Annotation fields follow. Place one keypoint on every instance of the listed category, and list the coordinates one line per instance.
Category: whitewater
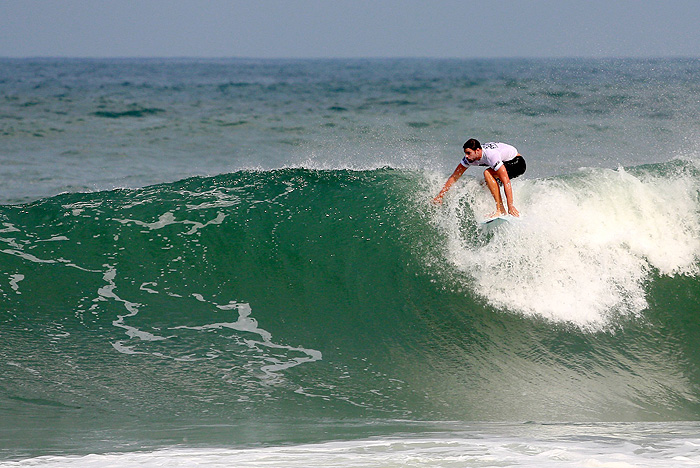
(236, 263)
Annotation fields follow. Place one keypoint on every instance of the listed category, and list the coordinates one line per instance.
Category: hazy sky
(349, 28)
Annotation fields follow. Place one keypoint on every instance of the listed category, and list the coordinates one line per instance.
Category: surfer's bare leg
(492, 184)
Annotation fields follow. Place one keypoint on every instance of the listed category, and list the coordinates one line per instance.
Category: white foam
(585, 247)
(246, 323)
(607, 449)
(14, 282)
(168, 218)
(106, 293)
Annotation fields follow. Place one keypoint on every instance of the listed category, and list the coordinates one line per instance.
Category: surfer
(504, 163)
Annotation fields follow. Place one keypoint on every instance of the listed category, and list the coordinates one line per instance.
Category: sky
(350, 28)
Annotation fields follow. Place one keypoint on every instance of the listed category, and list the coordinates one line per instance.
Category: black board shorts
(515, 167)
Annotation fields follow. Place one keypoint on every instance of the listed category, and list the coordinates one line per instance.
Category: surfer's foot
(496, 214)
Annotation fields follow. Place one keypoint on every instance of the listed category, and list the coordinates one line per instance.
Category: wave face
(291, 294)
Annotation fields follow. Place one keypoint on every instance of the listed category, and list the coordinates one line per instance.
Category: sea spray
(586, 245)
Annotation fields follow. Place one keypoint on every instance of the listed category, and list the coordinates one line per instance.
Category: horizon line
(300, 58)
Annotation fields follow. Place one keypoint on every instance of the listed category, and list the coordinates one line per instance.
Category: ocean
(236, 262)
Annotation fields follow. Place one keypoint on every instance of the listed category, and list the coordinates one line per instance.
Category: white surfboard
(497, 220)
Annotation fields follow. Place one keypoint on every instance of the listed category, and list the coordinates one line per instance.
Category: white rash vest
(493, 155)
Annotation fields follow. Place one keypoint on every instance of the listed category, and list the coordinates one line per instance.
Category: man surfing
(504, 163)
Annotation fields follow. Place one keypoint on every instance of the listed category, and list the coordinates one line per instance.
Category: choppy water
(95, 124)
(272, 286)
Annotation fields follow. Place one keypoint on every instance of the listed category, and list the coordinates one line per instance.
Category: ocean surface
(237, 263)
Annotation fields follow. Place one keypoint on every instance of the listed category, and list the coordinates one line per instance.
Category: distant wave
(132, 112)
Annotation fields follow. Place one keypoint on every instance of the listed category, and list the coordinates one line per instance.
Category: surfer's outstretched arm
(453, 178)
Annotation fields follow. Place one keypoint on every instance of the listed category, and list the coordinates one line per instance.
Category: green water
(241, 306)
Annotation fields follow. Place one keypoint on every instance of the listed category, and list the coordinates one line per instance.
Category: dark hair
(472, 144)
